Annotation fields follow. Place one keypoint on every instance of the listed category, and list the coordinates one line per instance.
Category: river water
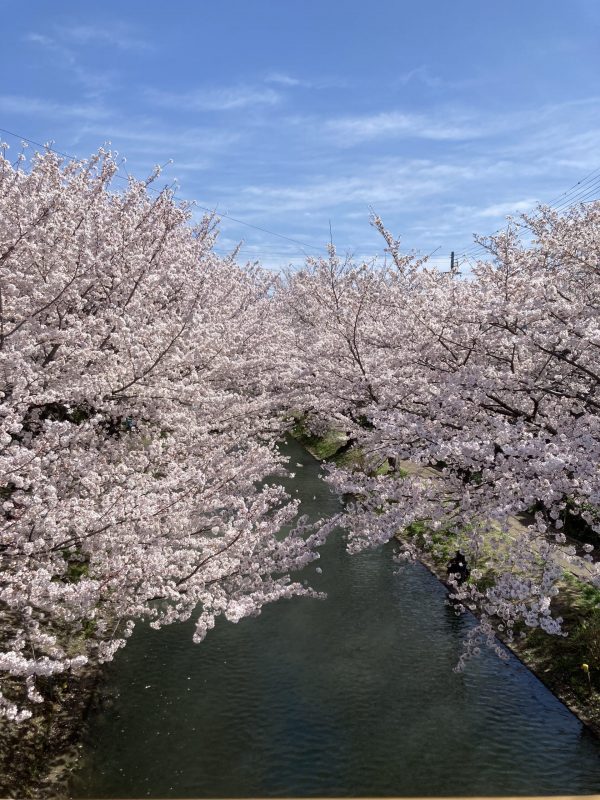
(354, 695)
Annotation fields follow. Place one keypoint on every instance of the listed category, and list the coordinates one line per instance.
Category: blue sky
(291, 114)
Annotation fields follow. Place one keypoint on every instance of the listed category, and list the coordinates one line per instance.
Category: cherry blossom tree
(140, 402)
(489, 385)
(145, 382)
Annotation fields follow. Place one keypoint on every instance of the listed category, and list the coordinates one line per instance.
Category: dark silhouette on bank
(457, 569)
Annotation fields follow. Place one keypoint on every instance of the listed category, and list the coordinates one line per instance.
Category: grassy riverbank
(555, 660)
(37, 758)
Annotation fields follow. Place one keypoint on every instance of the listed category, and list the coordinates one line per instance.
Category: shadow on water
(354, 695)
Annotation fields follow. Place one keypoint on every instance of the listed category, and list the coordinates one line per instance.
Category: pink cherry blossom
(141, 399)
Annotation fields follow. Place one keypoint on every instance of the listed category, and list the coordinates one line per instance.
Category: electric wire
(585, 190)
(575, 185)
(157, 191)
(581, 191)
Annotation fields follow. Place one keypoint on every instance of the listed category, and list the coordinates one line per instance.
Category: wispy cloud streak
(215, 99)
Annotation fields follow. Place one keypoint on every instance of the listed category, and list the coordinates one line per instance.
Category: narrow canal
(354, 695)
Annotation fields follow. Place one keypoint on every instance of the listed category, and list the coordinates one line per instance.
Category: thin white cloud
(187, 167)
(425, 77)
(20, 104)
(188, 147)
(421, 75)
(39, 38)
(282, 79)
(119, 37)
(95, 82)
(215, 99)
(349, 131)
(536, 129)
(288, 81)
(64, 54)
(385, 183)
(509, 208)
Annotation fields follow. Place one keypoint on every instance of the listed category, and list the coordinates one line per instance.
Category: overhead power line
(584, 191)
(152, 189)
(581, 182)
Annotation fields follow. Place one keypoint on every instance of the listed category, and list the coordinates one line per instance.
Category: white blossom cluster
(487, 387)
(144, 382)
(140, 401)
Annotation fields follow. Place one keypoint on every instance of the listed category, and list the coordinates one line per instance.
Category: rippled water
(354, 695)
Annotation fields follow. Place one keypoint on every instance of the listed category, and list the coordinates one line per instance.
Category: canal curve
(350, 696)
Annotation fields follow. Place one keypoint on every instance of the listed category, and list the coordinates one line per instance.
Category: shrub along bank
(38, 756)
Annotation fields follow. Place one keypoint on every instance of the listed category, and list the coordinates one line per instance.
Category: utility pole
(453, 264)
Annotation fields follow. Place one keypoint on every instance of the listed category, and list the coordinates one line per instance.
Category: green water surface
(354, 695)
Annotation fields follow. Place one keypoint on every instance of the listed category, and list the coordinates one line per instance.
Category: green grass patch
(560, 658)
(441, 544)
(349, 459)
(321, 447)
